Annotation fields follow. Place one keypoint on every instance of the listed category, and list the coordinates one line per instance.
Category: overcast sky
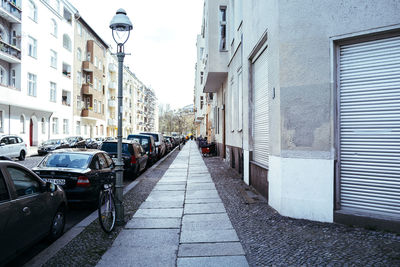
(162, 43)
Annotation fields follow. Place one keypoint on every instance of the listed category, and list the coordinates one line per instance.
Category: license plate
(55, 181)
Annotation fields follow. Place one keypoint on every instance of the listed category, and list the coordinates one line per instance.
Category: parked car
(160, 145)
(168, 144)
(76, 141)
(148, 144)
(30, 209)
(12, 146)
(51, 145)
(79, 171)
(133, 155)
(172, 140)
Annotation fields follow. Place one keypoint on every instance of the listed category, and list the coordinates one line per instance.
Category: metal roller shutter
(369, 74)
(261, 110)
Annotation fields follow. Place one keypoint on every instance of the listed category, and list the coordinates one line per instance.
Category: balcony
(112, 85)
(10, 12)
(9, 53)
(112, 67)
(87, 89)
(88, 113)
(87, 66)
(112, 103)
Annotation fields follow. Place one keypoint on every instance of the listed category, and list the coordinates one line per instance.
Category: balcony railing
(111, 103)
(112, 67)
(112, 122)
(87, 66)
(88, 112)
(112, 85)
(14, 12)
(87, 89)
(13, 54)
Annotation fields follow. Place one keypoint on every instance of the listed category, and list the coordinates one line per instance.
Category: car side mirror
(50, 187)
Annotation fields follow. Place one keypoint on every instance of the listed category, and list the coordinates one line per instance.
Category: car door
(33, 217)
(9, 226)
(4, 148)
(13, 147)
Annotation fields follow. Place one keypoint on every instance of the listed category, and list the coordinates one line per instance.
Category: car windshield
(72, 139)
(112, 147)
(154, 135)
(52, 142)
(67, 160)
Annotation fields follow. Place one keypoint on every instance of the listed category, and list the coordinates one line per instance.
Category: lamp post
(121, 27)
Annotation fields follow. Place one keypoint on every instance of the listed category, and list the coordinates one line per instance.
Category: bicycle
(106, 208)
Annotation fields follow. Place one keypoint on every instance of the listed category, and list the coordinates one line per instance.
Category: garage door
(369, 80)
(261, 110)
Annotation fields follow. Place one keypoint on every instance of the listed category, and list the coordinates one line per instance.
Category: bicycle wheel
(107, 211)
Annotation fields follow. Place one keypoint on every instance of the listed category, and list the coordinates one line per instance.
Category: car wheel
(57, 225)
(22, 155)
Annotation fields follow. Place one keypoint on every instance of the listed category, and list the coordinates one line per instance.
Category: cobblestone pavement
(87, 248)
(31, 162)
(271, 239)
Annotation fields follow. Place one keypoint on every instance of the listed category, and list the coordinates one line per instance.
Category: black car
(79, 171)
(30, 209)
(148, 144)
(76, 141)
(51, 145)
(133, 155)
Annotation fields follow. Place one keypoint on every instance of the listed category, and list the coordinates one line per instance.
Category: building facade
(308, 105)
(36, 102)
(90, 56)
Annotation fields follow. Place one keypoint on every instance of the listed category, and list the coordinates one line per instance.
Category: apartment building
(35, 96)
(150, 103)
(305, 104)
(200, 106)
(90, 56)
(112, 94)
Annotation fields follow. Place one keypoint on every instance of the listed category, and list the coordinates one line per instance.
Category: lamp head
(121, 25)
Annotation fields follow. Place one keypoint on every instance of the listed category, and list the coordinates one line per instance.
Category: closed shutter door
(261, 110)
(369, 75)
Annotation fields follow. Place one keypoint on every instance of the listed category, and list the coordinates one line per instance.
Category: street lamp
(121, 27)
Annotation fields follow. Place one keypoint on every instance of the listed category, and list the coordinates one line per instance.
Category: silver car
(12, 146)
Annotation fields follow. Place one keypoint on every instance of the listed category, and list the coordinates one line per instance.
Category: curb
(45, 255)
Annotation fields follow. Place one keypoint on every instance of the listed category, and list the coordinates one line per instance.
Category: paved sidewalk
(183, 222)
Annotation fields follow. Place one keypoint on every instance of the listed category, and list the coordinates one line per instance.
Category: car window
(109, 160)
(4, 195)
(24, 182)
(4, 140)
(95, 163)
(103, 162)
(145, 143)
(12, 140)
(72, 160)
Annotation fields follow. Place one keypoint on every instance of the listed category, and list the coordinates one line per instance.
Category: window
(4, 195)
(58, 6)
(95, 105)
(201, 102)
(67, 42)
(88, 56)
(22, 123)
(1, 122)
(66, 70)
(32, 47)
(31, 84)
(95, 83)
(53, 59)
(67, 16)
(79, 54)
(85, 129)
(43, 122)
(66, 98)
(55, 125)
(79, 28)
(53, 92)
(78, 128)
(79, 78)
(3, 76)
(95, 61)
(53, 27)
(14, 38)
(24, 182)
(100, 65)
(13, 78)
(32, 11)
(99, 107)
(222, 22)
(66, 126)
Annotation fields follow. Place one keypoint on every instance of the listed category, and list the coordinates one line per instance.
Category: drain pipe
(49, 126)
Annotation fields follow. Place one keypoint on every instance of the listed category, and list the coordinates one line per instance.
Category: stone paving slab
(203, 200)
(200, 186)
(166, 196)
(161, 204)
(158, 213)
(204, 208)
(210, 249)
(205, 217)
(208, 236)
(230, 261)
(170, 187)
(199, 181)
(154, 223)
(206, 225)
(202, 194)
(171, 182)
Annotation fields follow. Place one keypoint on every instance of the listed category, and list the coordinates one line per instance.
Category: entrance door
(31, 132)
